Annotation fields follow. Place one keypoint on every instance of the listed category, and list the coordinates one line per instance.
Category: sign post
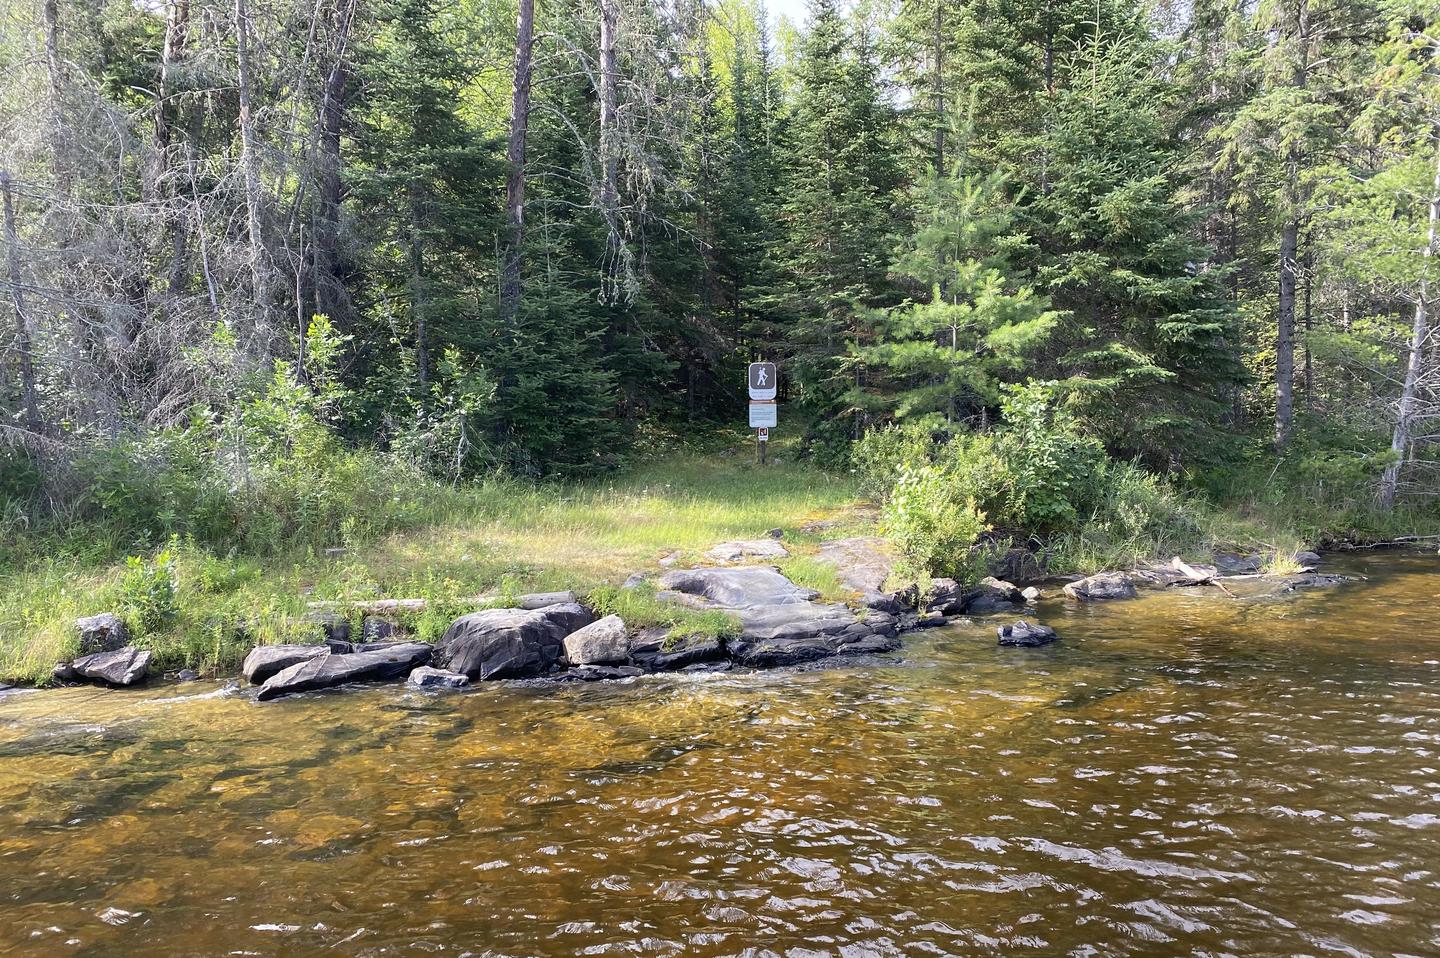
(764, 413)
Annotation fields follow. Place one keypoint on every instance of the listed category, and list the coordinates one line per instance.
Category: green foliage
(149, 591)
(1050, 471)
(949, 353)
(931, 522)
(879, 455)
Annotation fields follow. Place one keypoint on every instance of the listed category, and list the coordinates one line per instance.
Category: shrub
(931, 523)
(879, 455)
(149, 590)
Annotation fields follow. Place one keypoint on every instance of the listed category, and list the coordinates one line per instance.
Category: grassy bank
(499, 537)
(203, 606)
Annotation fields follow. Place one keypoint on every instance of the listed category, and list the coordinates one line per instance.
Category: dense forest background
(254, 242)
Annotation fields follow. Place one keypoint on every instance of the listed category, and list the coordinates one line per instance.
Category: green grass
(500, 538)
(497, 537)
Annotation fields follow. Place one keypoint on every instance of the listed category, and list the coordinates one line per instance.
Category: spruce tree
(1149, 351)
(839, 215)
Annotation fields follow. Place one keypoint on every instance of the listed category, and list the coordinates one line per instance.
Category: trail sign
(762, 381)
(763, 434)
(763, 415)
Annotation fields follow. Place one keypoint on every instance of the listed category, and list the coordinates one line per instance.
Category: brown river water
(1182, 774)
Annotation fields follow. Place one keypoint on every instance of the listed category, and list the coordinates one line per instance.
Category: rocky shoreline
(555, 637)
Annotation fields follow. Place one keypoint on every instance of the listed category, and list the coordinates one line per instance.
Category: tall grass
(448, 545)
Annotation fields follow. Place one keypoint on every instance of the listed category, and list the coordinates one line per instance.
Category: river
(1183, 773)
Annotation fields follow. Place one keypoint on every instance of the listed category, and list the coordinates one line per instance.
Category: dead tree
(29, 396)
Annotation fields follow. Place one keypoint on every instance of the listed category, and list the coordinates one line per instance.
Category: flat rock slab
(781, 623)
(744, 587)
(1106, 585)
(509, 643)
(862, 563)
(742, 549)
(120, 667)
(267, 660)
(329, 670)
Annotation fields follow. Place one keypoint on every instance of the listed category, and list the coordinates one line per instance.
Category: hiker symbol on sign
(762, 381)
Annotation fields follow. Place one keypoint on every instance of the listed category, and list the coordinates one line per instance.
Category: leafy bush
(878, 456)
(1036, 477)
(149, 590)
(931, 522)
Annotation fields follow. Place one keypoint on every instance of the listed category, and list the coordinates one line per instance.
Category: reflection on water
(1185, 773)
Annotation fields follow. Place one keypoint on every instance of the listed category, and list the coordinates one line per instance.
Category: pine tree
(980, 321)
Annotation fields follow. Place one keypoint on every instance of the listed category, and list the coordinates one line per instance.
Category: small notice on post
(763, 415)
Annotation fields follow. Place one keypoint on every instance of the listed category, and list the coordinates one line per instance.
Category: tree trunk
(610, 140)
(29, 398)
(417, 292)
(511, 269)
(939, 90)
(250, 162)
(176, 34)
(330, 298)
(1404, 419)
(55, 71)
(1289, 250)
(1285, 337)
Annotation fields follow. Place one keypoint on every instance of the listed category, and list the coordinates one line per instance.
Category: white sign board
(762, 434)
(762, 381)
(762, 415)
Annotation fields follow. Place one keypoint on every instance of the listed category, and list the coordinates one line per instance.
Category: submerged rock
(1025, 635)
(328, 670)
(105, 632)
(1106, 585)
(766, 548)
(187, 675)
(121, 667)
(597, 673)
(1030, 594)
(789, 650)
(266, 660)
(606, 642)
(509, 643)
(426, 677)
(1314, 580)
